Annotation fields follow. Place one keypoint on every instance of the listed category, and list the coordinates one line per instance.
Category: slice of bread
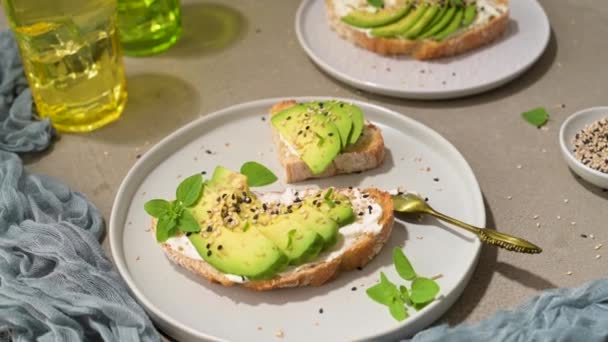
(471, 38)
(367, 153)
(361, 251)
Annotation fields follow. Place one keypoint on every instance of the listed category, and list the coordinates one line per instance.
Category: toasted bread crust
(421, 49)
(368, 153)
(358, 255)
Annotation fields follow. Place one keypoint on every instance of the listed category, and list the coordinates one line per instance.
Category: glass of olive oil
(148, 26)
(72, 60)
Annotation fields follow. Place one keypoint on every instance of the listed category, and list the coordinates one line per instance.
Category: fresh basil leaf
(383, 292)
(189, 190)
(257, 174)
(376, 3)
(405, 296)
(397, 309)
(403, 265)
(424, 290)
(165, 228)
(537, 116)
(157, 207)
(187, 222)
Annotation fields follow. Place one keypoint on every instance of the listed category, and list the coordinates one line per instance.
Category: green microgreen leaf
(321, 139)
(537, 116)
(424, 290)
(403, 265)
(328, 194)
(246, 226)
(189, 190)
(157, 207)
(376, 3)
(165, 227)
(383, 292)
(405, 296)
(257, 174)
(290, 235)
(397, 309)
(187, 222)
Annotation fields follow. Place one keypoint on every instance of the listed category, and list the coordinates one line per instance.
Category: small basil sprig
(174, 216)
(422, 292)
(257, 174)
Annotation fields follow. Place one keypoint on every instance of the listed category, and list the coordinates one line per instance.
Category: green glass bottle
(148, 26)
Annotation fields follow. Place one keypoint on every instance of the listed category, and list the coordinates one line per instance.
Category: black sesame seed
(255, 217)
(209, 229)
(426, 199)
(436, 179)
(229, 219)
(208, 152)
(208, 245)
(354, 288)
(300, 132)
(584, 236)
(209, 253)
(219, 247)
(321, 310)
(224, 195)
(365, 196)
(307, 127)
(297, 200)
(341, 105)
(263, 118)
(188, 233)
(350, 188)
(369, 207)
(138, 156)
(360, 268)
(264, 206)
(288, 118)
(233, 197)
(203, 172)
(361, 213)
(330, 134)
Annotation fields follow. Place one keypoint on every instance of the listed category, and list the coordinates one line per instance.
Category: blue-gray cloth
(56, 284)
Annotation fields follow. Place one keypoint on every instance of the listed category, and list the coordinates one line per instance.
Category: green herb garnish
(403, 265)
(376, 3)
(174, 216)
(537, 116)
(257, 174)
(422, 292)
(290, 235)
(457, 3)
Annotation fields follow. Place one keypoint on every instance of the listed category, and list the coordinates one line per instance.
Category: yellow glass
(72, 60)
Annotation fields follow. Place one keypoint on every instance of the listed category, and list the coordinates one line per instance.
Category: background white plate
(191, 309)
(474, 72)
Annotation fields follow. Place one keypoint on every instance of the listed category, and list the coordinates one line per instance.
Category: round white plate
(474, 72)
(189, 308)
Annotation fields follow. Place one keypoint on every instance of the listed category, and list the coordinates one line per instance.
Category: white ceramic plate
(474, 72)
(190, 309)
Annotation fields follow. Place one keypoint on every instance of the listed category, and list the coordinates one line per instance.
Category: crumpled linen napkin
(579, 314)
(56, 284)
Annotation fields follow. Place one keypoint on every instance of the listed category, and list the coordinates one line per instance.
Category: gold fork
(413, 204)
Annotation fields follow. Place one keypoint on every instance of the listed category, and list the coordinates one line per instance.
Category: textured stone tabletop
(243, 50)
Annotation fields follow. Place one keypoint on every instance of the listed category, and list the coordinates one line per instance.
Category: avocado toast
(264, 241)
(324, 138)
(424, 29)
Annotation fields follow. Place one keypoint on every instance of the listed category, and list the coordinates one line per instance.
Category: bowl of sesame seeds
(583, 138)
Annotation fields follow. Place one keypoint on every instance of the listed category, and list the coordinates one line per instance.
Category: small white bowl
(574, 124)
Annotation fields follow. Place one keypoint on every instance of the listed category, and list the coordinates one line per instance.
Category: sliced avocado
(414, 31)
(440, 25)
(436, 19)
(314, 136)
(452, 26)
(356, 115)
(232, 249)
(298, 242)
(365, 19)
(470, 12)
(334, 205)
(402, 25)
(339, 117)
(248, 253)
(313, 219)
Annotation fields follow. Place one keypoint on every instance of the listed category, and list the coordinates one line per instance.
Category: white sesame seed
(519, 166)
(569, 273)
(566, 200)
(598, 246)
(106, 153)
(591, 236)
(537, 224)
(559, 217)
(573, 223)
(543, 150)
(535, 217)
(598, 256)
(509, 197)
